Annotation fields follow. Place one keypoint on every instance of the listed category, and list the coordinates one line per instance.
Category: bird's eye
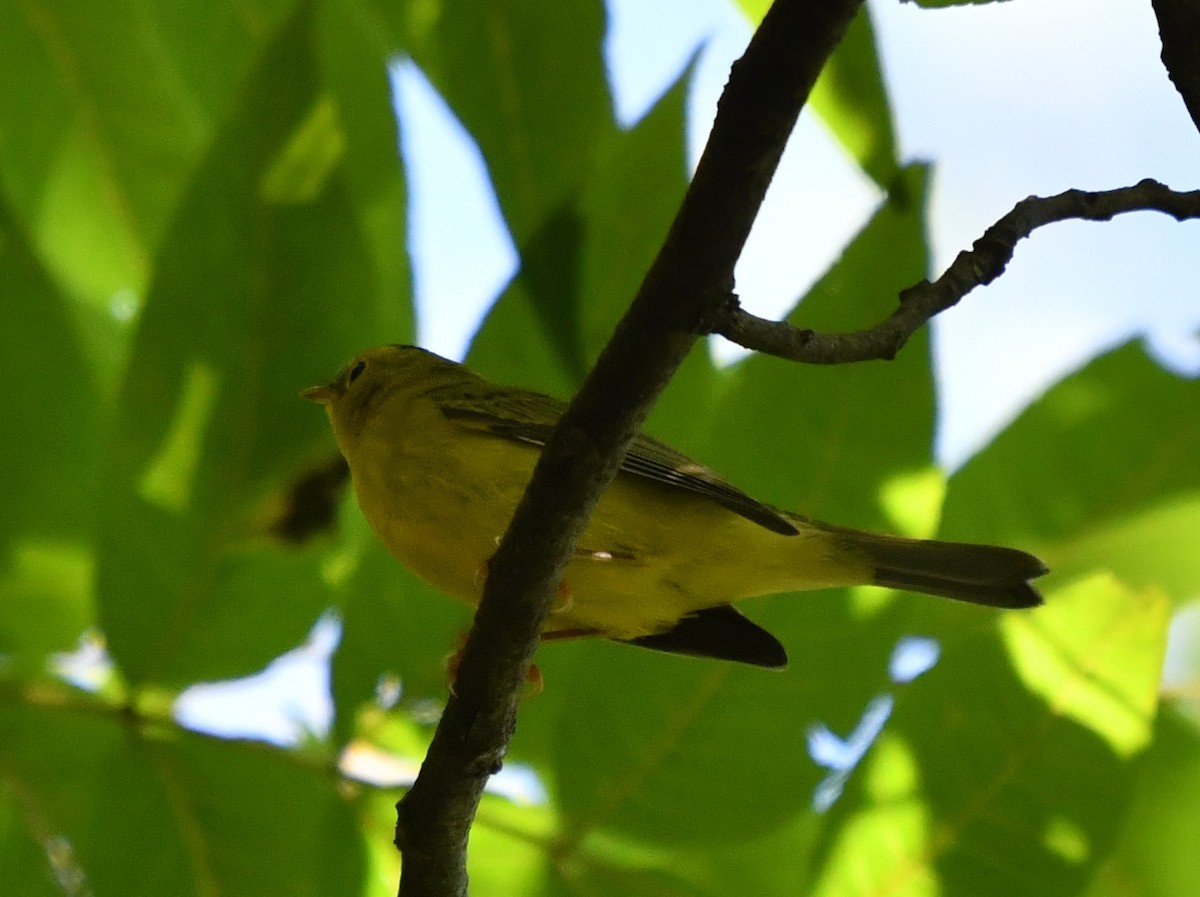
(356, 370)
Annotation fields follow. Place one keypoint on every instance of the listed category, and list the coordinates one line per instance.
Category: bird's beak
(322, 395)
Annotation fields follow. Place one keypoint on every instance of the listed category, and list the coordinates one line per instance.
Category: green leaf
(539, 136)
(490, 60)
(265, 284)
(642, 169)
(980, 787)
(581, 270)
(1154, 547)
(1155, 855)
(514, 344)
(827, 423)
(192, 806)
(850, 97)
(49, 462)
(665, 723)
(23, 856)
(50, 388)
(393, 625)
(346, 32)
(1071, 478)
(109, 110)
(509, 847)
(46, 602)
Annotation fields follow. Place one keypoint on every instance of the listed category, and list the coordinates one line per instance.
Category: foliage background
(202, 209)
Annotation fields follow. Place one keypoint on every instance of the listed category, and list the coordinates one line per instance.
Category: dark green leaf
(393, 625)
(50, 467)
(193, 807)
(627, 206)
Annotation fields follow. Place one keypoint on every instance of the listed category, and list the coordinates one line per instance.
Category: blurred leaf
(192, 806)
(509, 847)
(581, 271)
(660, 749)
(1072, 478)
(828, 424)
(50, 468)
(49, 462)
(1154, 547)
(107, 111)
(345, 31)
(1155, 856)
(538, 133)
(550, 275)
(978, 787)
(642, 169)
(45, 603)
(23, 857)
(1094, 654)
(209, 421)
(851, 99)
(514, 345)
(393, 625)
(539, 136)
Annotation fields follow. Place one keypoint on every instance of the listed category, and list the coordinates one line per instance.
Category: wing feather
(529, 417)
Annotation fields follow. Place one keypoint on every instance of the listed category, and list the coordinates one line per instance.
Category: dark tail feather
(721, 633)
(981, 574)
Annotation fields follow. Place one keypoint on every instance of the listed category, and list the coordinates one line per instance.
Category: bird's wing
(529, 417)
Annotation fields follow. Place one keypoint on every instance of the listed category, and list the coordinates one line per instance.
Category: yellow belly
(651, 553)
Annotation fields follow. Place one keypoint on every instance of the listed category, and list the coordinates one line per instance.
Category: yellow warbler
(440, 457)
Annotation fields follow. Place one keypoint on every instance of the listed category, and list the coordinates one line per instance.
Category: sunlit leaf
(851, 99)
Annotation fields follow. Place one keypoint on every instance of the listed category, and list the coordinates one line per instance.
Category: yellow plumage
(439, 458)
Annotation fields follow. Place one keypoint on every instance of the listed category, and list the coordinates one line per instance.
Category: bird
(439, 458)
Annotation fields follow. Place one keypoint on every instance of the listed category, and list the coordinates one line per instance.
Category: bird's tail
(980, 574)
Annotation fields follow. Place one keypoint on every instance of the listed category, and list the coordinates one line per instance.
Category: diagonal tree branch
(980, 265)
(684, 289)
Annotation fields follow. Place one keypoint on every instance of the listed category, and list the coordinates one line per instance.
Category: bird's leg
(534, 681)
(564, 601)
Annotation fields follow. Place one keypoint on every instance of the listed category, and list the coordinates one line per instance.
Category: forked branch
(978, 266)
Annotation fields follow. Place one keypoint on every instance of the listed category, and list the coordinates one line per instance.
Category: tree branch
(982, 264)
(685, 287)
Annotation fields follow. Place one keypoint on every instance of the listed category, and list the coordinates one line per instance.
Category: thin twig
(979, 266)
